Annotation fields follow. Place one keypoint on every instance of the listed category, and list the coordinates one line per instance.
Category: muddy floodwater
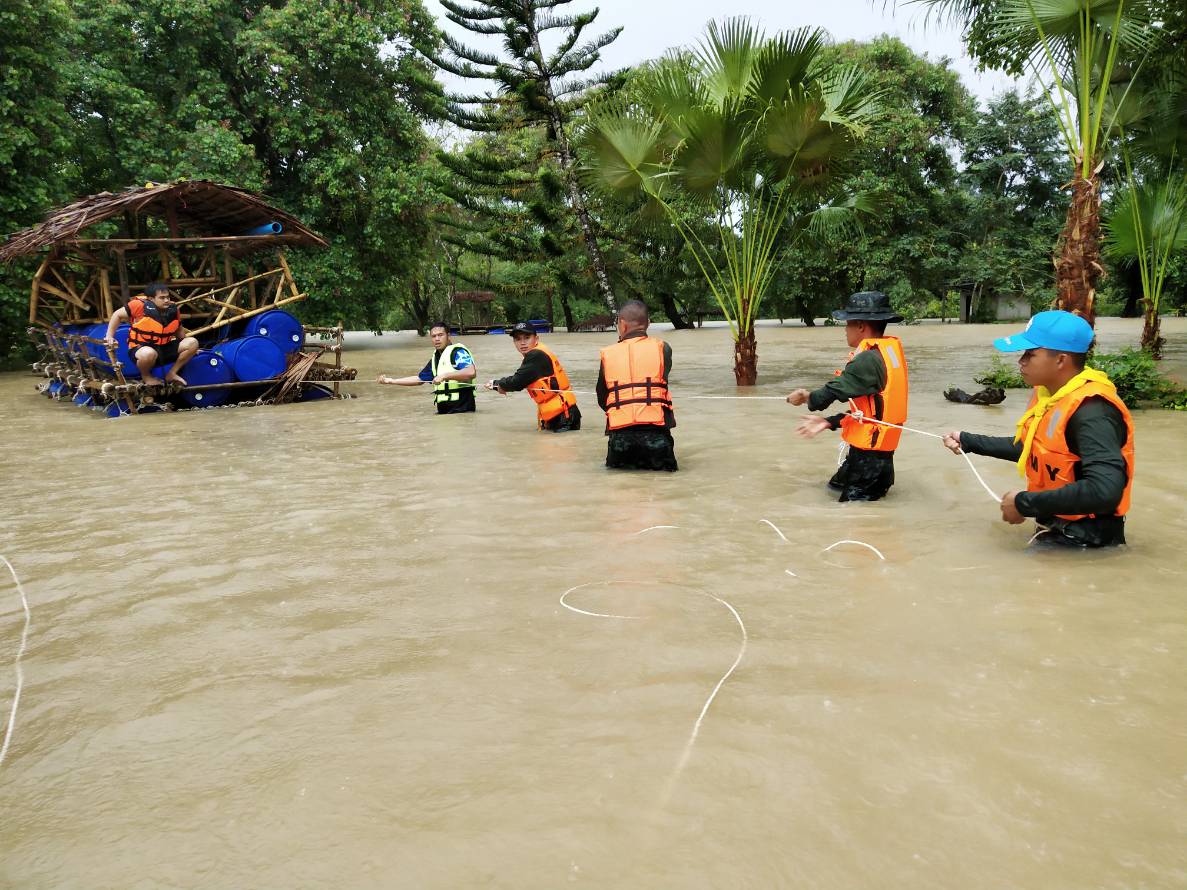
(322, 645)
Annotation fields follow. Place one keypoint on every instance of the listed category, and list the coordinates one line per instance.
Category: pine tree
(533, 89)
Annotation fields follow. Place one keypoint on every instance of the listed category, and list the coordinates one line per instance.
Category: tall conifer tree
(532, 87)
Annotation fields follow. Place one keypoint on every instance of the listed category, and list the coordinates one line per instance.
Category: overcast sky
(652, 26)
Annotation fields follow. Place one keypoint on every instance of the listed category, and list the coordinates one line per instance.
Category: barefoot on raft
(150, 380)
(174, 378)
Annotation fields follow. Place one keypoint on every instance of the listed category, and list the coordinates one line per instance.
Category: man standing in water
(874, 382)
(451, 370)
(1074, 444)
(543, 376)
(633, 391)
(156, 336)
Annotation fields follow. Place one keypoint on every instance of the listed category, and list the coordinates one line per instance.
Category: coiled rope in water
(20, 675)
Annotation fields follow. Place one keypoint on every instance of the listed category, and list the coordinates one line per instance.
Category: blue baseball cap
(1056, 329)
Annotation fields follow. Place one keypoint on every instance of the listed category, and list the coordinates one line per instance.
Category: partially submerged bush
(1138, 380)
(1001, 375)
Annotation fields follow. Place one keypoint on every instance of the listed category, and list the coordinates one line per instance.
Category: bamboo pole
(288, 273)
(219, 290)
(227, 305)
(252, 312)
(35, 290)
(122, 266)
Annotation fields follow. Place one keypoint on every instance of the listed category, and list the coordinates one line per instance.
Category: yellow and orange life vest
(1050, 463)
(889, 405)
(552, 395)
(152, 326)
(637, 387)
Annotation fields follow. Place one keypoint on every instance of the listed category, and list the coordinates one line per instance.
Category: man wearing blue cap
(1074, 445)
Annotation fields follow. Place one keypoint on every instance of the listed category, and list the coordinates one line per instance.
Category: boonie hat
(869, 305)
(1055, 329)
(521, 327)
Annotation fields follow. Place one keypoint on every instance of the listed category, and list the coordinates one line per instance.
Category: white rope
(856, 413)
(776, 528)
(696, 728)
(20, 675)
(790, 572)
(654, 527)
(859, 544)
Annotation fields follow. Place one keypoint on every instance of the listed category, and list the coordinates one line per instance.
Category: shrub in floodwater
(1133, 371)
(1138, 380)
(1001, 375)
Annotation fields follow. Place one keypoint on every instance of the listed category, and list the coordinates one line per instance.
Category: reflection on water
(321, 645)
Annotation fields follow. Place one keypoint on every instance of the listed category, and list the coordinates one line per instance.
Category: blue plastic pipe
(272, 228)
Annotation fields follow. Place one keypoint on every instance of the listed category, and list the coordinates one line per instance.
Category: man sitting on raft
(156, 336)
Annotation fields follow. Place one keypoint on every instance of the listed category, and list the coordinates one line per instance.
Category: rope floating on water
(20, 675)
(654, 527)
(858, 543)
(776, 528)
(696, 728)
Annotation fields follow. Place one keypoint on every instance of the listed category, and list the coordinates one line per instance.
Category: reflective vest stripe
(447, 390)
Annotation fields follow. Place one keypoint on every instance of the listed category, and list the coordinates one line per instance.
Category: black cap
(869, 305)
(522, 327)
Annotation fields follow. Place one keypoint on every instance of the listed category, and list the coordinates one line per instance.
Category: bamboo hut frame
(194, 236)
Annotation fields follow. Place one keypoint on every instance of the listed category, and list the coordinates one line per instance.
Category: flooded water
(322, 645)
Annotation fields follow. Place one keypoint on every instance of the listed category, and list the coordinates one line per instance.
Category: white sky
(650, 27)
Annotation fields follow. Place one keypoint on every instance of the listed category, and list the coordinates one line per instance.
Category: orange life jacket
(890, 404)
(1052, 464)
(637, 387)
(544, 392)
(152, 326)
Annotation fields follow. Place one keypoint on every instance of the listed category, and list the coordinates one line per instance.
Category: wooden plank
(288, 273)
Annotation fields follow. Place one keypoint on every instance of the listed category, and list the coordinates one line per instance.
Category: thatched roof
(474, 296)
(200, 207)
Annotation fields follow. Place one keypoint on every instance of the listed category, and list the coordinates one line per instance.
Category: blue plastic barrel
(279, 327)
(253, 358)
(114, 409)
(204, 369)
(83, 399)
(95, 332)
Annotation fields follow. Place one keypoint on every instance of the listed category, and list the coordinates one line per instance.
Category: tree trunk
(746, 359)
(673, 312)
(1077, 267)
(1133, 291)
(596, 260)
(567, 310)
(1152, 331)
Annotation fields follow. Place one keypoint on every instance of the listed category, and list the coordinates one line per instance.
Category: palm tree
(1148, 226)
(1075, 49)
(743, 129)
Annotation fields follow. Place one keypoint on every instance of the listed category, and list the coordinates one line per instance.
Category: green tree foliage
(534, 87)
(36, 168)
(1014, 170)
(910, 248)
(748, 128)
(315, 104)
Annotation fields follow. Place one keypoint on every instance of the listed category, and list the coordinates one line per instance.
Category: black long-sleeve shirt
(535, 365)
(1096, 432)
(865, 375)
(603, 391)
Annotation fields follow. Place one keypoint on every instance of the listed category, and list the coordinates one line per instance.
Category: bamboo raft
(220, 250)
